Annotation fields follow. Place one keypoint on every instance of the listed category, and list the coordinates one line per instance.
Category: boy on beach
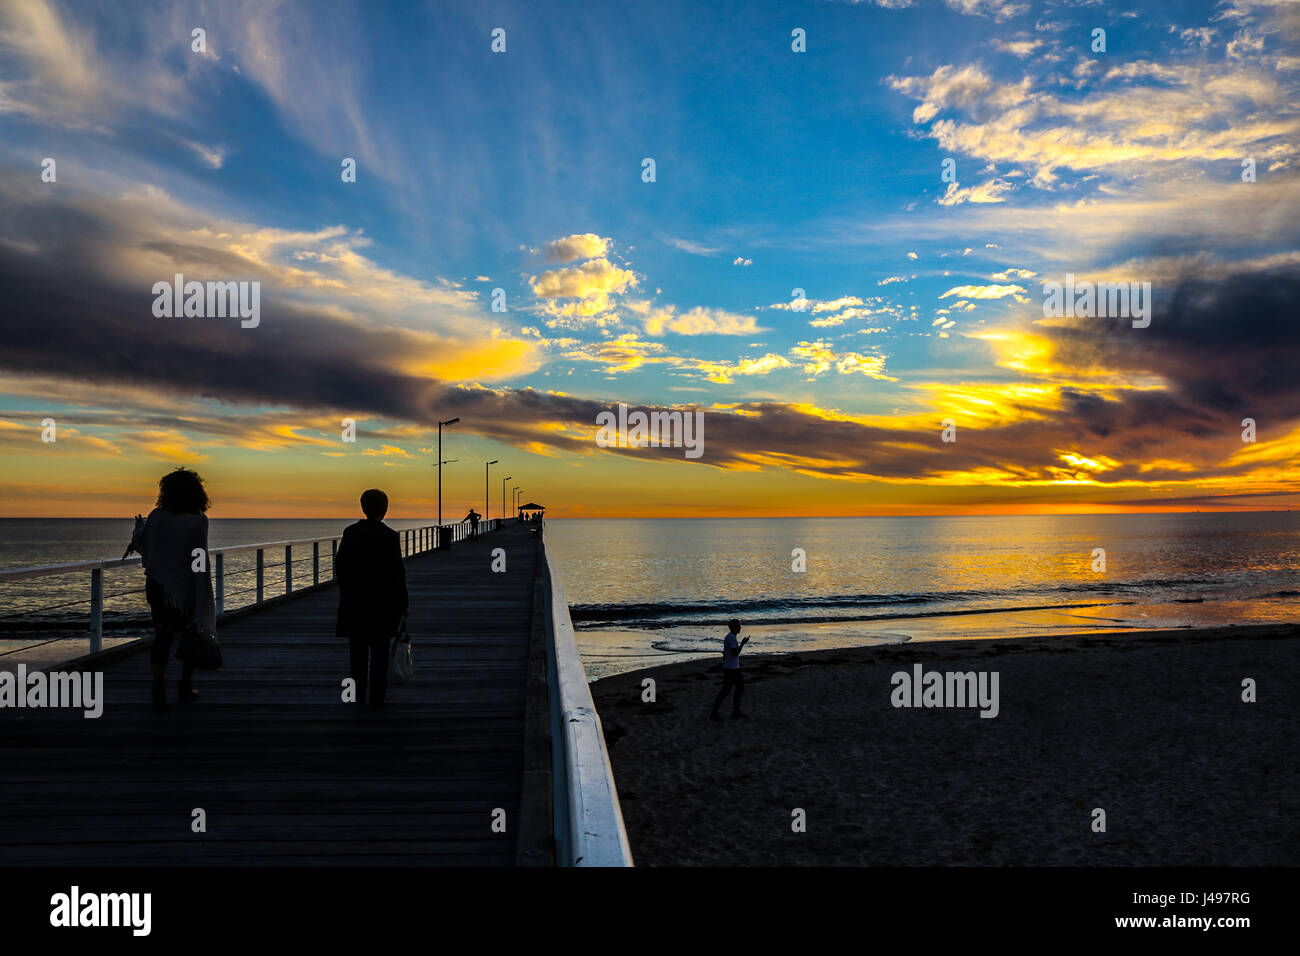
(730, 671)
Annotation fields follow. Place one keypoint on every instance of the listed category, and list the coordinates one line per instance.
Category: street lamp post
(450, 421)
(514, 499)
(445, 461)
(487, 502)
(504, 513)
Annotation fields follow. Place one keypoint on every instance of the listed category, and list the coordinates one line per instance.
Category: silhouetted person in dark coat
(372, 594)
(473, 518)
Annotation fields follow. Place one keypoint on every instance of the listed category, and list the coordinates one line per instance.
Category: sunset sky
(775, 171)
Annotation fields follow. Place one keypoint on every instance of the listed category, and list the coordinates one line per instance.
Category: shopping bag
(199, 649)
(400, 665)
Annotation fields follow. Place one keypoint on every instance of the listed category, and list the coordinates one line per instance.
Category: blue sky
(775, 170)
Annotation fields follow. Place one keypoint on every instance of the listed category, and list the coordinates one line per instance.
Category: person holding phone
(731, 679)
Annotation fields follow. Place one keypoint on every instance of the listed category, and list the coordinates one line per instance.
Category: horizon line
(720, 517)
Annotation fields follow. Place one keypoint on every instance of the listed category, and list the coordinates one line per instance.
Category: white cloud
(694, 248)
(213, 157)
(1022, 47)
(820, 356)
(1196, 111)
(997, 9)
(992, 190)
(839, 318)
(699, 321)
(586, 245)
(589, 285)
(723, 373)
(986, 292)
(1198, 36)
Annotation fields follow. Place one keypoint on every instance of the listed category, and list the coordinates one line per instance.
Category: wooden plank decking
(286, 772)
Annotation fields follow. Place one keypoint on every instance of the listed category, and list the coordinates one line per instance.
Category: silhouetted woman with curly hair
(179, 596)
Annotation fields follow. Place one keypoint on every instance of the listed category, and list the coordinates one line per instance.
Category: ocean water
(41, 609)
(649, 591)
(644, 592)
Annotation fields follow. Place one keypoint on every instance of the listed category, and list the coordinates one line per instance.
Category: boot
(185, 691)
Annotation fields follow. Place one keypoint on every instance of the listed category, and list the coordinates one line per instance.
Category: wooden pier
(285, 773)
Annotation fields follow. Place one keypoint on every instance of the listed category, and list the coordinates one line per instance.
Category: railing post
(334, 554)
(221, 583)
(259, 577)
(288, 569)
(96, 609)
(315, 562)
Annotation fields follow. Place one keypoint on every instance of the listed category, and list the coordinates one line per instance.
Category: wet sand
(1148, 726)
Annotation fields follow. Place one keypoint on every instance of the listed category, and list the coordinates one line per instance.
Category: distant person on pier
(473, 519)
(731, 679)
(179, 596)
(372, 595)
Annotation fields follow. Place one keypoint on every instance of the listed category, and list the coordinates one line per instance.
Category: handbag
(400, 665)
(199, 649)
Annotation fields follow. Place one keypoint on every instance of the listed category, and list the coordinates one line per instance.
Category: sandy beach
(1149, 727)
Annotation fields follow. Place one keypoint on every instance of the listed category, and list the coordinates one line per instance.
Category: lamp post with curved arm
(450, 421)
(487, 502)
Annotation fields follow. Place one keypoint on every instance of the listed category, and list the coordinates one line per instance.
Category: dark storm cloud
(1224, 349)
(1225, 345)
(68, 315)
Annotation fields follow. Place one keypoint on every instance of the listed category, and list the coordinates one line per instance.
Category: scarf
(166, 545)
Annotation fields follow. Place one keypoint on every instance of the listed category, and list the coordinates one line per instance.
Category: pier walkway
(284, 772)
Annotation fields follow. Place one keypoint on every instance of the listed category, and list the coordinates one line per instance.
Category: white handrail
(589, 828)
(413, 541)
(36, 571)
